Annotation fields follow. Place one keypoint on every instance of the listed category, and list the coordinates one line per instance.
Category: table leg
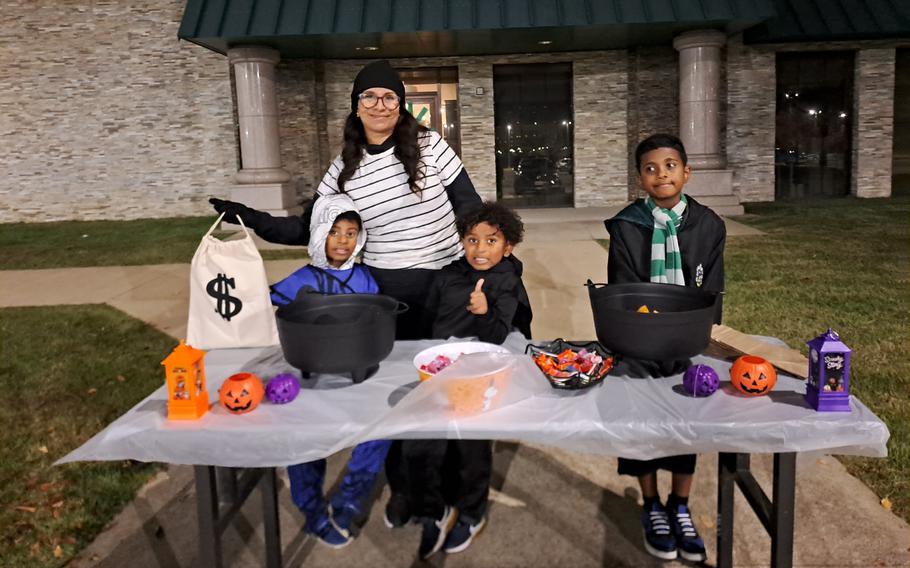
(782, 524)
(207, 508)
(227, 484)
(271, 526)
(726, 483)
(733, 470)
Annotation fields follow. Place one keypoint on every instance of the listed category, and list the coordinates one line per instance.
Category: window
(813, 126)
(534, 131)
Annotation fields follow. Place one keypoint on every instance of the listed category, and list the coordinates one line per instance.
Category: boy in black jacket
(669, 238)
(482, 295)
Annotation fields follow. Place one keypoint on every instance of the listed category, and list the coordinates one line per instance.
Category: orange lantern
(753, 375)
(187, 398)
(241, 393)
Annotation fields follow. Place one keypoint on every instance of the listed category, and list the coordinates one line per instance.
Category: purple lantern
(828, 388)
(282, 388)
(700, 380)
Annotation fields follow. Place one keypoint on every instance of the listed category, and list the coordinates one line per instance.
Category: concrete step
(724, 205)
(710, 182)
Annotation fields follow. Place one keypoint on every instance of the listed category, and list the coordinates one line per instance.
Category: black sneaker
(691, 547)
(434, 532)
(659, 540)
(461, 535)
(397, 511)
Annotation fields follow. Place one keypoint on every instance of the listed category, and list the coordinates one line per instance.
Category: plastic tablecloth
(627, 415)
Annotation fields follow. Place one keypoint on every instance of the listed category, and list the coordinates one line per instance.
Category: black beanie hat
(377, 74)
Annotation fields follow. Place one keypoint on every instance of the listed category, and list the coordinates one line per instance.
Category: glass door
(534, 132)
(813, 124)
(432, 98)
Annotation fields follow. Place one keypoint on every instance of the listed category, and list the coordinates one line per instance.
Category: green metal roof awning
(832, 20)
(408, 28)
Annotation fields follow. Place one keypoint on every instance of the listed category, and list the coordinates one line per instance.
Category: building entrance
(432, 98)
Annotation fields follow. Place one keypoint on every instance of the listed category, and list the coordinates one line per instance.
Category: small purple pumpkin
(700, 380)
(282, 389)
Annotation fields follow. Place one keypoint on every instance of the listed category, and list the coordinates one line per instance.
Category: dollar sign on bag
(219, 288)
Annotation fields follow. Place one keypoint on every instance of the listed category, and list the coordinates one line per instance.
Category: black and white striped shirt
(404, 229)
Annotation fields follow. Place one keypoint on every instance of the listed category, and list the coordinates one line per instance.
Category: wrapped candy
(571, 366)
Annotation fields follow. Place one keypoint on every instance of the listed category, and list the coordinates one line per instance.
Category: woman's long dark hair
(407, 149)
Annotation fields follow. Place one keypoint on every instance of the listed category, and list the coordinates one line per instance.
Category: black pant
(410, 286)
(684, 464)
(429, 468)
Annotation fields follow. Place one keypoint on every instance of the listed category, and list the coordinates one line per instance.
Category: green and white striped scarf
(666, 260)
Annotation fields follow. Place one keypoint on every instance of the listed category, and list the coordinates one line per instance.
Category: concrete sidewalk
(549, 507)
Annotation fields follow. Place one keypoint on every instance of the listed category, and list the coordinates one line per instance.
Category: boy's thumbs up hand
(478, 301)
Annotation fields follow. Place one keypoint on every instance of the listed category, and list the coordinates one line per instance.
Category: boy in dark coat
(479, 295)
(667, 238)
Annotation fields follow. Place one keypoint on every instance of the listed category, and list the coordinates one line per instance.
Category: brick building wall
(750, 108)
(105, 115)
(653, 101)
(873, 125)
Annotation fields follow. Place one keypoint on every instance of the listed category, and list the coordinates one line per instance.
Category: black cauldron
(681, 328)
(345, 333)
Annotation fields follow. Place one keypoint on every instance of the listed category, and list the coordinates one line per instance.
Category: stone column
(700, 61)
(699, 102)
(262, 182)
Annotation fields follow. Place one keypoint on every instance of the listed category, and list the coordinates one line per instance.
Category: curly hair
(495, 215)
(407, 148)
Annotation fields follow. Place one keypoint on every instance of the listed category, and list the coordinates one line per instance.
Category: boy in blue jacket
(336, 237)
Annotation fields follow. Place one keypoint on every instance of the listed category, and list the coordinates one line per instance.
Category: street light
(509, 131)
(566, 123)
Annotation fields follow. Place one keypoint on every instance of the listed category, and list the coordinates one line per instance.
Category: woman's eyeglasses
(390, 100)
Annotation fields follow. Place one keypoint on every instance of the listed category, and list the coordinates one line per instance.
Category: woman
(408, 185)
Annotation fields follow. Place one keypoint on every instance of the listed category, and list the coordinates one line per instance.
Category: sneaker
(343, 518)
(434, 532)
(461, 535)
(397, 511)
(659, 540)
(328, 534)
(691, 547)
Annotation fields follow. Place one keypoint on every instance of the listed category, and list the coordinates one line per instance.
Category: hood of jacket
(325, 210)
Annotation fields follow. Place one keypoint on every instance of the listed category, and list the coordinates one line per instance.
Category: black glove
(231, 209)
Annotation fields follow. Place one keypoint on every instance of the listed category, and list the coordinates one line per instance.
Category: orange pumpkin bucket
(753, 375)
(241, 393)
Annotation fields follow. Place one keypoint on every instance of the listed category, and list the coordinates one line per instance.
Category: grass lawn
(109, 243)
(67, 372)
(844, 264)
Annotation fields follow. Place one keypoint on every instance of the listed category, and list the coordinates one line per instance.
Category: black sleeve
(462, 194)
(431, 306)
(495, 325)
(714, 271)
(281, 230)
(620, 263)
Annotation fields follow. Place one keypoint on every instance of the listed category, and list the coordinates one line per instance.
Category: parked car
(536, 174)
